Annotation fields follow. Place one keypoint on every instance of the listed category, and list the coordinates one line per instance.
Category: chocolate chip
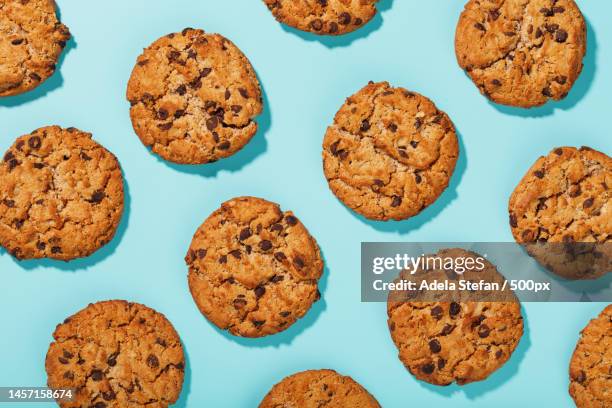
(298, 262)
(196, 83)
(41, 246)
(8, 156)
(575, 191)
(276, 227)
(112, 360)
(99, 404)
(205, 72)
(277, 278)
(63, 360)
(402, 152)
(68, 354)
(499, 354)
(392, 127)
(344, 18)
(69, 375)
(97, 197)
(480, 27)
(258, 323)
(97, 375)
(179, 113)
(173, 55)
(539, 174)
(13, 163)
(494, 14)
(17, 41)
(291, 220)
(9, 203)
(239, 303)
(34, 142)
(547, 92)
(418, 123)
(285, 314)
(546, 11)
(365, 125)
(441, 363)
(561, 36)
(581, 377)
(165, 126)
(436, 312)
(483, 331)
(35, 77)
(454, 309)
(316, 24)
(212, 122)
(245, 233)
(108, 395)
(265, 245)
(551, 28)
(397, 201)
(428, 368)
(333, 27)
(417, 178)
(243, 92)
(496, 82)
(56, 250)
(227, 94)
(235, 253)
(152, 361)
(223, 259)
(358, 21)
(224, 145)
(561, 80)
(538, 33)
(558, 9)
(279, 256)
(162, 114)
(181, 90)
(588, 203)
(236, 108)
(434, 346)
(259, 291)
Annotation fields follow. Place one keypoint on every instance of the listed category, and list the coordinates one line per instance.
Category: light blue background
(305, 79)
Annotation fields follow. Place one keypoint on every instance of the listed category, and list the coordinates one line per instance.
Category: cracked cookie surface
(61, 195)
(326, 17)
(591, 365)
(117, 354)
(521, 52)
(318, 389)
(564, 200)
(31, 42)
(194, 97)
(390, 152)
(253, 269)
(446, 342)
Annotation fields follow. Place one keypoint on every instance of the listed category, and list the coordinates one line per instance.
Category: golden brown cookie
(563, 202)
(446, 342)
(61, 195)
(390, 152)
(325, 17)
(521, 52)
(31, 41)
(194, 97)
(253, 269)
(117, 354)
(318, 388)
(591, 365)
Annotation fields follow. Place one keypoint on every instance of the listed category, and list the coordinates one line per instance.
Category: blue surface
(305, 79)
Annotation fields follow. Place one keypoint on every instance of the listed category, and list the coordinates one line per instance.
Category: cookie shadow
(286, 337)
(254, 148)
(478, 389)
(182, 401)
(334, 41)
(414, 223)
(54, 82)
(97, 257)
(580, 89)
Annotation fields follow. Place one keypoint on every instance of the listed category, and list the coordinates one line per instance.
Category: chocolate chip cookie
(591, 365)
(30, 45)
(253, 269)
(522, 52)
(117, 354)
(317, 388)
(562, 208)
(325, 17)
(61, 195)
(446, 342)
(390, 152)
(194, 97)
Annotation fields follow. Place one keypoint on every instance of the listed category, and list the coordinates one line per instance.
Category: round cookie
(31, 43)
(61, 195)
(590, 368)
(116, 354)
(193, 97)
(521, 52)
(325, 17)
(562, 210)
(390, 152)
(253, 269)
(445, 342)
(316, 388)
